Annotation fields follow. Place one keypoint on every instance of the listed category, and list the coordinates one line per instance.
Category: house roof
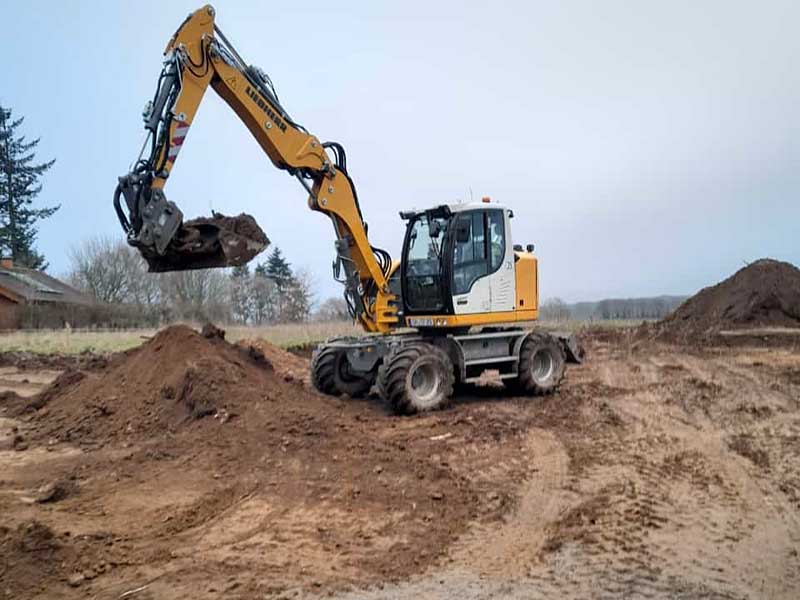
(29, 285)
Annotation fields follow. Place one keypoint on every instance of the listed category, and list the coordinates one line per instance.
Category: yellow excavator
(449, 310)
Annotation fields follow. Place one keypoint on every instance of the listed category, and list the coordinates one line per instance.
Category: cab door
(470, 287)
(501, 261)
(483, 263)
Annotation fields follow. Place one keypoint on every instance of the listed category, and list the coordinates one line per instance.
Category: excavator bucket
(203, 243)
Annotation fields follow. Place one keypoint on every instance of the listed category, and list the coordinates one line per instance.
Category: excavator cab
(459, 260)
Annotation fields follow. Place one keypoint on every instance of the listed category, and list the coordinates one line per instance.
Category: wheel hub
(542, 366)
(425, 383)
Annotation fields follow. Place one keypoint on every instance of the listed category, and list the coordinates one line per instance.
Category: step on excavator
(458, 303)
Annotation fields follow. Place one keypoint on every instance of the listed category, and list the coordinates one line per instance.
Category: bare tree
(198, 295)
(298, 297)
(554, 309)
(102, 267)
(332, 309)
(239, 291)
(115, 274)
(263, 298)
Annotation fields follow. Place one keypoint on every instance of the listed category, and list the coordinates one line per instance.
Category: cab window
(497, 239)
(479, 248)
(469, 258)
(422, 261)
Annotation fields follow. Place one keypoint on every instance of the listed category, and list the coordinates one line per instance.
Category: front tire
(416, 378)
(541, 365)
(331, 374)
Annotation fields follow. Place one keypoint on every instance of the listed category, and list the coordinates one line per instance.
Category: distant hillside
(612, 308)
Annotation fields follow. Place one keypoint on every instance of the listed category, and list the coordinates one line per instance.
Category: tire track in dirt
(655, 504)
(507, 551)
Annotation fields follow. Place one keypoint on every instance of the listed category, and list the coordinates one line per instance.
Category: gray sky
(645, 147)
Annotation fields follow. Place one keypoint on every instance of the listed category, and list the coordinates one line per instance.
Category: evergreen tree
(278, 269)
(19, 185)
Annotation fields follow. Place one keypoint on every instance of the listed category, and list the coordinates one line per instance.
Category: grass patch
(76, 341)
(577, 325)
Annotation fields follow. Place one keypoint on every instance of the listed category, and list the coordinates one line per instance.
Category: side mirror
(529, 247)
(462, 233)
(517, 247)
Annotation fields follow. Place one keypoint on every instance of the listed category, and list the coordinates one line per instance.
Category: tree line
(658, 307)
(116, 275)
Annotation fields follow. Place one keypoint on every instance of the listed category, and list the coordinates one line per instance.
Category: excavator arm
(198, 57)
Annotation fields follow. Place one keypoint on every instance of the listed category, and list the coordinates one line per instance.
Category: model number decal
(267, 110)
(420, 322)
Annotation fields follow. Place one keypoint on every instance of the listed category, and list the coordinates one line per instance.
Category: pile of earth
(287, 365)
(765, 293)
(191, 442)
(177, 378)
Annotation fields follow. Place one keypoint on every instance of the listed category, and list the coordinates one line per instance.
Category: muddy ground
(658, 471)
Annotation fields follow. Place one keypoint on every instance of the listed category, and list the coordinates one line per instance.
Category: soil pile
(289, 366)
(765, 293)
(195, 446)
(177, 377)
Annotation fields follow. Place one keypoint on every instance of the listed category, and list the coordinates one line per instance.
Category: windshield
(422, 262)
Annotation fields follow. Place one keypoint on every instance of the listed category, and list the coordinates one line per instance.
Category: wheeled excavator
(454, 306)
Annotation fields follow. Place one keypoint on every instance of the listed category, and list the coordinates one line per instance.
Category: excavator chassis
(418, 371)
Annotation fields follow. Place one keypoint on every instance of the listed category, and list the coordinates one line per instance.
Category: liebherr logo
(267, 110)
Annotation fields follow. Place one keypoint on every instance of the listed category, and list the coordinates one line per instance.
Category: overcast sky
(645, 147)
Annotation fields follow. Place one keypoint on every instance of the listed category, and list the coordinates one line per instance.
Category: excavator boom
(198, 57)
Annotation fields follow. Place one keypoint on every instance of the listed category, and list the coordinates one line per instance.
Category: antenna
(470, 194)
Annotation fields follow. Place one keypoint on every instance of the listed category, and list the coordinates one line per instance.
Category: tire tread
(392, 375)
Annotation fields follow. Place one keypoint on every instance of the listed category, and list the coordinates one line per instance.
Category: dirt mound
(63, 382)
(289, 366)
(193, 445)
(765, 293)
(176, 377)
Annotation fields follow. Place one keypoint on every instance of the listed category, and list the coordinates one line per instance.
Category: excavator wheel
(541, 365)
(415, 378)
(331, 374)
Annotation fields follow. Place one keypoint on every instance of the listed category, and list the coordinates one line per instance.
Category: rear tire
(331, 374)
(416, 378)
(541, 365)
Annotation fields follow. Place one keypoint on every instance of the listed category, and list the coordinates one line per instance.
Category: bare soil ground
(657, 471)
